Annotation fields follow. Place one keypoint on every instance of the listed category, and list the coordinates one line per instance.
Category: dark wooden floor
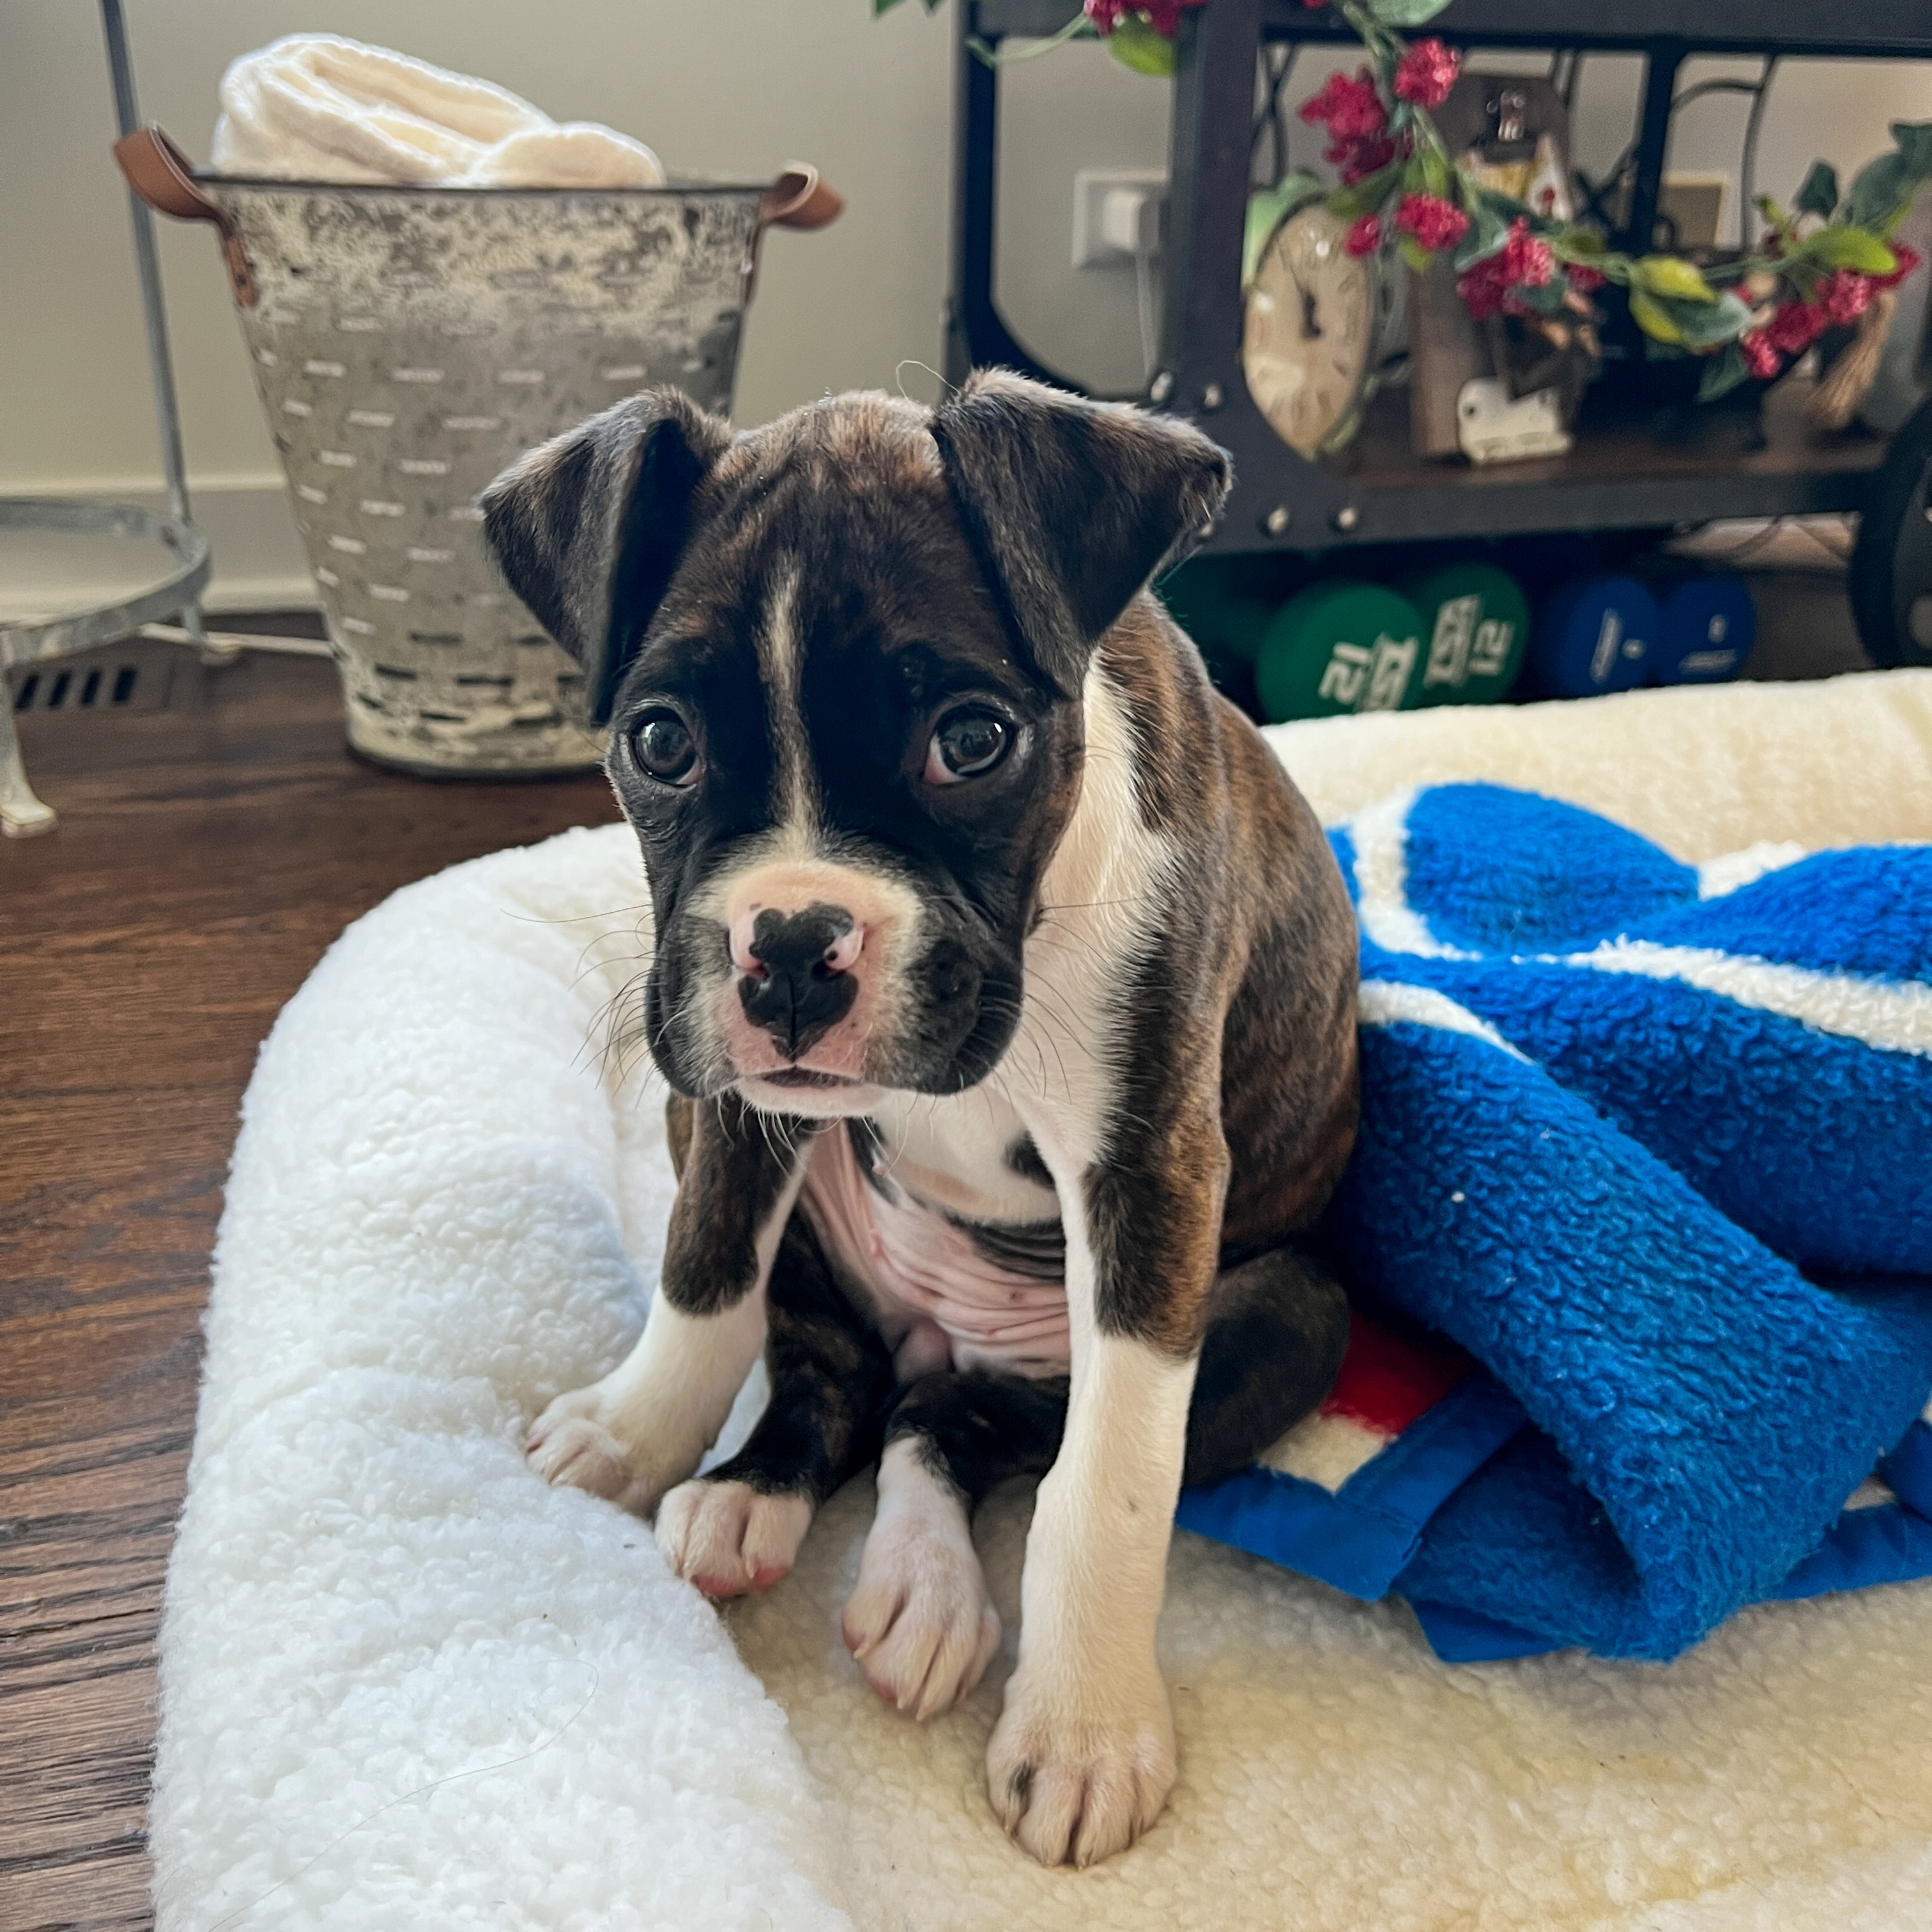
(208, 852)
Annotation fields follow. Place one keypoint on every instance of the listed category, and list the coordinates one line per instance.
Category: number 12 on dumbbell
(1366, 677)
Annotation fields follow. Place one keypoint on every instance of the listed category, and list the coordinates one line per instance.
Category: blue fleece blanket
(1656, 1149)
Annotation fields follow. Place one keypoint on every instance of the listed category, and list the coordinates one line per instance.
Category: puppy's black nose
(796, 980)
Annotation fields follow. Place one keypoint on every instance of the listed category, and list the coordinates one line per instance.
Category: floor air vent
(117, 677)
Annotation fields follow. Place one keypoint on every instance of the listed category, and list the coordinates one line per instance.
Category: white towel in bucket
(317, 107)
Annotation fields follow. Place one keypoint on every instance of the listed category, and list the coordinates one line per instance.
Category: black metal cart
(1616, 477)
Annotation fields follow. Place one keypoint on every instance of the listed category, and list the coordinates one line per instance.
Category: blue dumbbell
(1595, 634)
(1706, 630)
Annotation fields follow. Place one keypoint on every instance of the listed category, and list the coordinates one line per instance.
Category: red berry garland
(1542, 269)
(1523, 261)
(1426, 73)
(1352, 110)
(1761, 359)
(1436, 224)
(1842, 298)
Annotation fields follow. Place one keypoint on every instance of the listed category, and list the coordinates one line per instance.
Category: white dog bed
(405, 1685)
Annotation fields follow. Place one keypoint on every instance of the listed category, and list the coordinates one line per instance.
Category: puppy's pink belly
(936, 1299)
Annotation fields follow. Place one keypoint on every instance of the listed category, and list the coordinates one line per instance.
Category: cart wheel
(1890, 581)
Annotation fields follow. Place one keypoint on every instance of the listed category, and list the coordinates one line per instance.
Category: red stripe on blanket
(1386, 1383)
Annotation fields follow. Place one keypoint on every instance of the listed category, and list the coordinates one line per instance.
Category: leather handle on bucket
(161, 175)
(800, 198)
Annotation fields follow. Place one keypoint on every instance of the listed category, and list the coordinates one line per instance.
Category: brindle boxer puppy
(1006, 987)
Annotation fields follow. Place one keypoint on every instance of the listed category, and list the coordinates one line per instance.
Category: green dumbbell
(1340, 647)
(1475, 629)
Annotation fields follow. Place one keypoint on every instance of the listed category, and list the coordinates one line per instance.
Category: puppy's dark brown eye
(967, 744)
(663, 746)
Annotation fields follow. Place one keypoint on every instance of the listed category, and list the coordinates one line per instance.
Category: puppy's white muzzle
(816, 952)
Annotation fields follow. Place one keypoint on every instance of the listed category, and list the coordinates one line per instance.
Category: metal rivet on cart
(1347, 517)
(1162, 386)
(1276, 521)
(1211, 397)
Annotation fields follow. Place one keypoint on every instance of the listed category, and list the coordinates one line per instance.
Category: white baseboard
(257, 555)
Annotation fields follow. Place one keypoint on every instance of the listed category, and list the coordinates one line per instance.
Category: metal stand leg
(1659, 89)
(21, 814)
(178, 593)
(976, 334)
(167, 413)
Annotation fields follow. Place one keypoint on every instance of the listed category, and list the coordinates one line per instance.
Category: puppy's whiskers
(573, 918)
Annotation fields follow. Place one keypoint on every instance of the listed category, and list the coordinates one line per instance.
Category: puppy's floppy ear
(1071, 505)
(588, 528)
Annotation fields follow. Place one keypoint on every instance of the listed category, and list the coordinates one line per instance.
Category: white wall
(729, 88)
(725, 87)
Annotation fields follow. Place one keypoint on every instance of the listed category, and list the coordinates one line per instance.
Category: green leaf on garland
(1705, 325)
(1134, 44)
(1671, 275)
(1878, 190)
(1506, 205)
(1651, 316)
(1366, 196)
(1819, 193)
(1544, 297)
(1723, 374)
(1684, 324)
(1405, 12)
(1915, 146)
(1435, 174)
(1486, 232)
(1843, 248)
(1584, 244)
(1412, 252)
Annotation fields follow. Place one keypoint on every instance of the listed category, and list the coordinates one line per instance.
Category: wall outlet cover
(1091, 187)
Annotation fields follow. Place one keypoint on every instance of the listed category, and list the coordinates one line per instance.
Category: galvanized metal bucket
(408, 343)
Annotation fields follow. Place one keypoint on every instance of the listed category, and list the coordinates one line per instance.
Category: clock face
(1308, 337)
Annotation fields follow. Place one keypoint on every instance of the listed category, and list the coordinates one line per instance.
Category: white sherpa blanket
(404, 1685)
(316, 107)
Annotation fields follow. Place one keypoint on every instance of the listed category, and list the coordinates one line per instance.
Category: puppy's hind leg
(1276, 1326)
(920, 1620)
(739, 1528)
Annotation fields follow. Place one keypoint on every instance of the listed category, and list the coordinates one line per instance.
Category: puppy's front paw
(920, 1622)
(573, 1444)
(727, 1537)
(1078, 1771)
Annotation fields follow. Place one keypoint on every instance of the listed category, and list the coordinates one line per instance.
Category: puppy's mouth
(804, 1077)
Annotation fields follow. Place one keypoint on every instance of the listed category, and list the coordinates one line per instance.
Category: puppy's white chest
(957, 1253)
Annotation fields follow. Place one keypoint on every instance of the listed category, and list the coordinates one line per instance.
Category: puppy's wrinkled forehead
(847, 499)
(1040, 512)
(855, 441)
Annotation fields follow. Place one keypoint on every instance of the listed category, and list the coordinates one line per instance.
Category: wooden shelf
(1647, 471)
(1713, 444)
